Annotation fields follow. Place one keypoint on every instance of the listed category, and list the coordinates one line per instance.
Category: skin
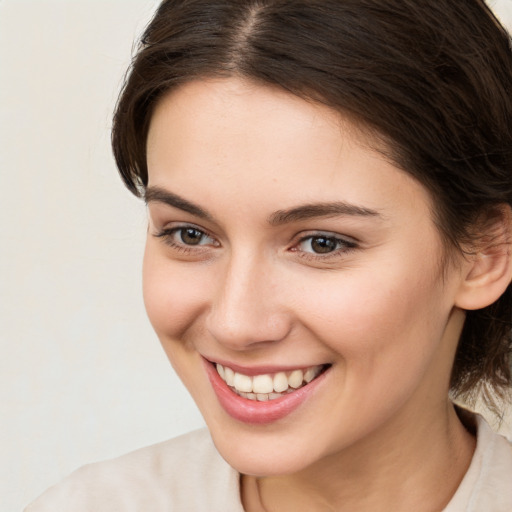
(379, 432)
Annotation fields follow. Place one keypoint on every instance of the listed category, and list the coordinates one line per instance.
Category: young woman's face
(284, 249)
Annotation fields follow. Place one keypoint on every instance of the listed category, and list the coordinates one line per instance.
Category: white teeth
(280, 382)
(295, 379)
(220, 369)
(230, 376)
(266, 386)
(242, 382)
(311, 373)
(262, 384)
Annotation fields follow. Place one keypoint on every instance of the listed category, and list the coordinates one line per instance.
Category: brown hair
(431, 78)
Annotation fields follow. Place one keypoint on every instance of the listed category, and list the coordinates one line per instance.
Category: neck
(414, 463)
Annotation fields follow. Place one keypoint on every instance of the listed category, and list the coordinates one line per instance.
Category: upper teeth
(267, 384)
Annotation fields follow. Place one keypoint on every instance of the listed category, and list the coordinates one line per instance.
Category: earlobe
(488, 270)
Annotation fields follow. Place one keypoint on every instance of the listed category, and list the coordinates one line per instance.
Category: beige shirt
(187, 474)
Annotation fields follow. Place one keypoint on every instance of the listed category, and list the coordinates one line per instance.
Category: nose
(247, 309)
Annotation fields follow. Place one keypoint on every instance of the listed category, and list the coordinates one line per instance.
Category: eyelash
(168, 235)
(342, 245)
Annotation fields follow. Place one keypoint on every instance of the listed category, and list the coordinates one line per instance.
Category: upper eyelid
(328, 234)
(175, 226)
(159, 214)
(172, 230)
(342, 240)
(346, 243)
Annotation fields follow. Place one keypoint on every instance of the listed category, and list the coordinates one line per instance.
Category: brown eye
(186, 238)
(191, 236)
(323, 245)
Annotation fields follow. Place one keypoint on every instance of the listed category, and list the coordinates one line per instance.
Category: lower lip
(253, 411)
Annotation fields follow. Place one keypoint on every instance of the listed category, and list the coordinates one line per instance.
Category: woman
(328, 255)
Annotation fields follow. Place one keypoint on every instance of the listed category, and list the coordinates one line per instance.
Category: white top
(187, 474)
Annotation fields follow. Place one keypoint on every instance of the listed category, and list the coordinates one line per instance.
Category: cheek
(379, 322)
(385, 336)
(173, 295)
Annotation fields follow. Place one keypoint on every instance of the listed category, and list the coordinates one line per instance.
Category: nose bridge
(245, 310)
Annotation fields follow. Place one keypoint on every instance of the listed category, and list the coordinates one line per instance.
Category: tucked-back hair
(431, 80)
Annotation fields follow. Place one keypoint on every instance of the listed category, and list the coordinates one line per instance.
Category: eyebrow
(159, 195)
(278, 218)
(326, 210)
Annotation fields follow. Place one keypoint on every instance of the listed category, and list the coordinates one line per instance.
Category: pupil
(323, 244)
(191, 236)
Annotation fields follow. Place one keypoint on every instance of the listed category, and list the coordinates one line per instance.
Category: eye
(320, 244)
(323, 244)
(191, 236)
(186, 237)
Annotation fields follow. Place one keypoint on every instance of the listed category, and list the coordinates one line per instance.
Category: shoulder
(495, 472)
(180, 474)
(487, 484)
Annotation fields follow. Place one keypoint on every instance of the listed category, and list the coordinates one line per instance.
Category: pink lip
(254, 412)
(259, 370)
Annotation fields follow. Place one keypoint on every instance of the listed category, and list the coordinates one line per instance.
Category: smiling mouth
(268, 386)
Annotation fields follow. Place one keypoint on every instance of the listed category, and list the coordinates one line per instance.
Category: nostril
(243, 327)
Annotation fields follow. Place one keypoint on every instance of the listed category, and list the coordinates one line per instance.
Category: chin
(265, 451)
(255, 461)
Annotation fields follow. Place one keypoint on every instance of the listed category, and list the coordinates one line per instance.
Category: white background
(82, 376)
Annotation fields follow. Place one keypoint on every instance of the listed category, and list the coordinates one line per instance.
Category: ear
(487, 271)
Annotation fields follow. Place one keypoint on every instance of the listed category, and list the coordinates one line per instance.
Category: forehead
(241, 141)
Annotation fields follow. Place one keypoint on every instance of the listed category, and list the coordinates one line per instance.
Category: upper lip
(261, 369)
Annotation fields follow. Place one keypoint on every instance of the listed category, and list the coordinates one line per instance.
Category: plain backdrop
(82, 376)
